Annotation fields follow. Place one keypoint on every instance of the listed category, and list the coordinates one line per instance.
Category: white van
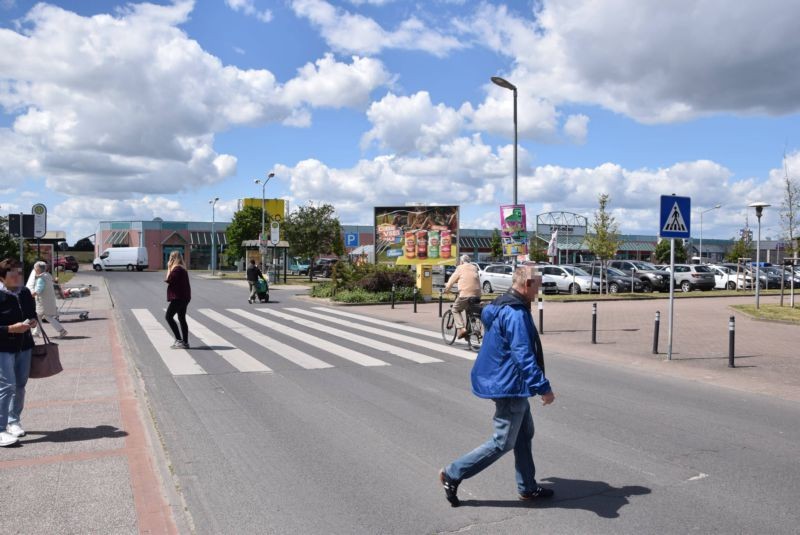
(129, 258)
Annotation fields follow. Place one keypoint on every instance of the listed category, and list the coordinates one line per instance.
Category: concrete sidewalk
(87, 464)
(767, 354)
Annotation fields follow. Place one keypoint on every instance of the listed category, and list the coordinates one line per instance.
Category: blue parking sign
(676, 217)
(351, 239)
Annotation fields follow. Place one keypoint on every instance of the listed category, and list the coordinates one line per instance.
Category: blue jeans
(14, 370)
(513, 429)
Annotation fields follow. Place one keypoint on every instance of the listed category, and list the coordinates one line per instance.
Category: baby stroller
(262, 290)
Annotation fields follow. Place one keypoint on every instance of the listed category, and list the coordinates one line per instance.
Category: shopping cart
(65, 298)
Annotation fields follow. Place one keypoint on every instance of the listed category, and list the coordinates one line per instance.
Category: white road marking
(325, 345)
(699, 476)
(178, 361)
(366, 319)
(304, 360)
(441, 348)
(235, 356)
(368, 342)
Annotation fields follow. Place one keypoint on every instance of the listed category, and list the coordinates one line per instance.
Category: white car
(570, 279)
(496, 278)
(727, 279)
(130, 258)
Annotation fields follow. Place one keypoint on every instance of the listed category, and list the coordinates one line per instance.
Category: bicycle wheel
(449, 330)
(475, 338)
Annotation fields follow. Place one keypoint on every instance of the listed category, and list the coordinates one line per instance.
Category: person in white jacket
(42, 288)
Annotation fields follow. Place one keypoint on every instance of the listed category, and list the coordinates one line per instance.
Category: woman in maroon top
(179, 293)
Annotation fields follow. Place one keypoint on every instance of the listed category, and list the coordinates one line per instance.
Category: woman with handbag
(45, 294)
(17, 317)
(179, 293)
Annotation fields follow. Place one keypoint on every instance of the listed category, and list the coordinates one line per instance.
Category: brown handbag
(45, 361)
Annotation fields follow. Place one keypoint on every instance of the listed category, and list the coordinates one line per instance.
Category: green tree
(604, 240)
(314, 230)
(790, 212)
(246, 225)
(741, 249)
(9, 247)
(84, 244)
(662, 252)
(496, 245)
(538, 255)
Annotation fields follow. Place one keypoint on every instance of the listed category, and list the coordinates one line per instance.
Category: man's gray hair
(41, 266)
(465, 259)
(520, 278)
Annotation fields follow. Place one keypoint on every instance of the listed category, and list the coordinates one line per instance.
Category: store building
(193, 239)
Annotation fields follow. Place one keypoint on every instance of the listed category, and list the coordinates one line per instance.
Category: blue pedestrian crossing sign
(351, 239)
(676, 217)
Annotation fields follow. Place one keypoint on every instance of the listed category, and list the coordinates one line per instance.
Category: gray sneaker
(184, 345)
(177, 344)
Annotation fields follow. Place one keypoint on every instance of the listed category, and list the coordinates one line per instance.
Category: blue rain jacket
(510, 363)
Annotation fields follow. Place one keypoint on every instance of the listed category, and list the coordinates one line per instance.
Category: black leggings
(178, 307)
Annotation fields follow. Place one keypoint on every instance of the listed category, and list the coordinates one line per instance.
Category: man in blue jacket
(509, 369)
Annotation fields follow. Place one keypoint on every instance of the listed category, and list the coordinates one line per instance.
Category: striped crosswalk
(269, 340)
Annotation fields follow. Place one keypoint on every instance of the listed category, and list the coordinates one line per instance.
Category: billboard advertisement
(414, 235)
(514, 229)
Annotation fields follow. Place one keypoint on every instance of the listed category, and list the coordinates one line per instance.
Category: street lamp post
(701, 228)
(759, 206)
(263, 212)
(213, 203)
(502, 82)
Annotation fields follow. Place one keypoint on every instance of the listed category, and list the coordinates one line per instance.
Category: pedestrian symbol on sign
(675, 222)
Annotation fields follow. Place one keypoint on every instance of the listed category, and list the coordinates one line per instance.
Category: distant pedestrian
(469, 289)
(45, 294)
(17, 317)
(253, 275)
(179, 293)
(508, 370)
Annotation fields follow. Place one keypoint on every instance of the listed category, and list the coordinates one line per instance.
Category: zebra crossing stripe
(368, 342)
(178, 361)
(441, 348)
(375, 321)
(234, 356)
(291, 354)
(325, 345)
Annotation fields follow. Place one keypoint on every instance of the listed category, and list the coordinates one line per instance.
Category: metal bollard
(393, 296)
(594, 323)
(655, 332)
(415, 299)
(541, 316)
(731, 341)
(441, 298)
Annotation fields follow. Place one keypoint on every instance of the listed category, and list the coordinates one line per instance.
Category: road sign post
(674, 223)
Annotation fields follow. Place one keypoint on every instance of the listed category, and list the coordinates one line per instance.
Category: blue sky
(116, 110)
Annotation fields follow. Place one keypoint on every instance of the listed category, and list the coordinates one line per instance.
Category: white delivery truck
(129, 258)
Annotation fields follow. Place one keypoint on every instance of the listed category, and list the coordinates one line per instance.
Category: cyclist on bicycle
(469, 288)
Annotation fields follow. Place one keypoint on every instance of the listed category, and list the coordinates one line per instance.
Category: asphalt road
(333, 442)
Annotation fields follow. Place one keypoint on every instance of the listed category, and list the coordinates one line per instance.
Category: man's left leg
(523, 461)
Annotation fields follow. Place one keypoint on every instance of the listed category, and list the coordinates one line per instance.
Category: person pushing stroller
(254, 276)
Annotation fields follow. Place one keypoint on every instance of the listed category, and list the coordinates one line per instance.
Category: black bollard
(541, 316)
(655, 333)
(594, 323)
(441, 298)
(415, 299)
(392, 296)
(731, 341)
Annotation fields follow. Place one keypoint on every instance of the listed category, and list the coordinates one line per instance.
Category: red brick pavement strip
(767, 354)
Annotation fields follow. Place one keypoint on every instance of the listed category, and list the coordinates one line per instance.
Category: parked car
(496, 278)
(728, 279)
(767, 279)
(66, 263)
(129, 258)
(298, 266)
(448, 272)
(690, 277)
(324, 267)
(652, 278)
(616, 279)
(787, 275)
(570, 279)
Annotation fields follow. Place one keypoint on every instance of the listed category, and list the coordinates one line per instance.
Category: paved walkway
(767, 354)
(86, 465)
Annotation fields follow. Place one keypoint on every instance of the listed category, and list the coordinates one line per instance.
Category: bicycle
(474, 326)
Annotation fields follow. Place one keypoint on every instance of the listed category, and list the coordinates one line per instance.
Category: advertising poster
(514, 229)
(413, 235)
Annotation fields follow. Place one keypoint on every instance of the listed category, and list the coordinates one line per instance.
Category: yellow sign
(275, 208)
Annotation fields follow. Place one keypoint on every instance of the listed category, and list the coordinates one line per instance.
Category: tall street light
(701, 228)
(213, 203)
(502, 82)
(263, 212)
(759, 206)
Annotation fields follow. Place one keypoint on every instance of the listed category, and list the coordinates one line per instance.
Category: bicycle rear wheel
(475, 338)
(449, 330)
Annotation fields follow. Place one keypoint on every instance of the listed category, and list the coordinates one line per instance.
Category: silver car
(496, 278)
(570, 279)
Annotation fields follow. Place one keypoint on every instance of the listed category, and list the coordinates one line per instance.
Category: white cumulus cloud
(248, 7)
